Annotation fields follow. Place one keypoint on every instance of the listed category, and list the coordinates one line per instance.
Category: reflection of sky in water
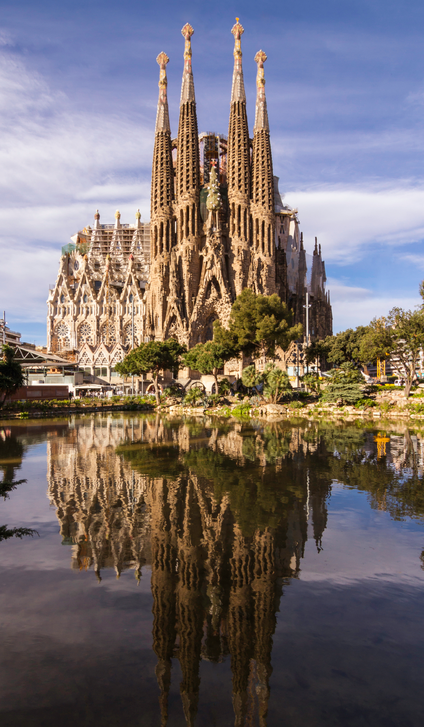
(347, 647)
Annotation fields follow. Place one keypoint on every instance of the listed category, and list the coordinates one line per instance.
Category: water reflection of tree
(11, 454)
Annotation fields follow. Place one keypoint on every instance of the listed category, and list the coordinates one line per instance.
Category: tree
(259, 323)
(400, 336)
(11, 374)
(339, 349)
(152, 357)
(275, 381)
(207, 358)
(345, 384)
(312, 381)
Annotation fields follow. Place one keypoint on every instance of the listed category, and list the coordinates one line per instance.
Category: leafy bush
(365, 403)
(313, 382)
(241, 410)
(213, 399)
(224, 387)
(296, 405)
(174, 390)
(193, 396)
(344, 384)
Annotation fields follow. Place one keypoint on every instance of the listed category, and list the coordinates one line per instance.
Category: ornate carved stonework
(217, 226)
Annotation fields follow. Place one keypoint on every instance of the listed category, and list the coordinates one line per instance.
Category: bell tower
(161, 209)
(262, 268)
(238, 172)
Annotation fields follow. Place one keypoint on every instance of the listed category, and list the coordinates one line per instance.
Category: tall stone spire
(238, 170)
(262, 273)
(188, 170)
(161, 207)
(187, 208)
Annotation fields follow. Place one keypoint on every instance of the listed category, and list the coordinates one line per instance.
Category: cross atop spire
(187, 88)
(237, 91)
(261, 115)
(162, 116)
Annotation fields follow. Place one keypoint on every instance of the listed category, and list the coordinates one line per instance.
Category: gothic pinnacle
(237, 91)
(162, 116)
(187, 87)
(261, 115)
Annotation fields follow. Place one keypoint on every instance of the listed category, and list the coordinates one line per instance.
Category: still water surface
(189, 573)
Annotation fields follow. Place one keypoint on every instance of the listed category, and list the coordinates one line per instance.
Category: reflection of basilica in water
(221, 515)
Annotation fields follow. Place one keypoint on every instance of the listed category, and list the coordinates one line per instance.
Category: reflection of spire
(189, 607)
(264, 599)
(218, 559)
(163, 591)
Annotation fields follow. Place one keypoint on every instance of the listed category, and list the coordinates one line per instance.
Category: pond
(203, 572)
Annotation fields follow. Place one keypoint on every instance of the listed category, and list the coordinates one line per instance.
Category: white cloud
(346, 220)
(354, 306)
(57, 165)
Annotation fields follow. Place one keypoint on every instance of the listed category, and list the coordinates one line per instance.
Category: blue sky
(345, 90)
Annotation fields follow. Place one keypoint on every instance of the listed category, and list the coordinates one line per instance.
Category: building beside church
(217, 226)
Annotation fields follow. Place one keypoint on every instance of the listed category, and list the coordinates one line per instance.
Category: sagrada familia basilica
(217, 226)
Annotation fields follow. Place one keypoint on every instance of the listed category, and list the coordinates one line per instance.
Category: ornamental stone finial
(117, 215)
(162, 115)
(162, 60)
(187, 32)
(187, 87)
(237, 30)
(138, 215)
(237, 90)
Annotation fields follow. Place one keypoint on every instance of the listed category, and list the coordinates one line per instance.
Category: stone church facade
(217, 226)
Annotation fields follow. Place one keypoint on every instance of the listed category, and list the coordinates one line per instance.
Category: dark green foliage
(8, 486)
(6, 532)
(365, 403)
(312, 382)
(152, 357)
(345, 385)
(194, 396)
(401, 336)
(207, 358)
(259, 323)
(275, 381)
(11, 374)
(342, 348)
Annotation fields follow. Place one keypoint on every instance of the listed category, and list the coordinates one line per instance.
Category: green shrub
(365, 403)
(224, 387)
(344, 384)
(241, 410)
(297, 404)
(193, 396)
